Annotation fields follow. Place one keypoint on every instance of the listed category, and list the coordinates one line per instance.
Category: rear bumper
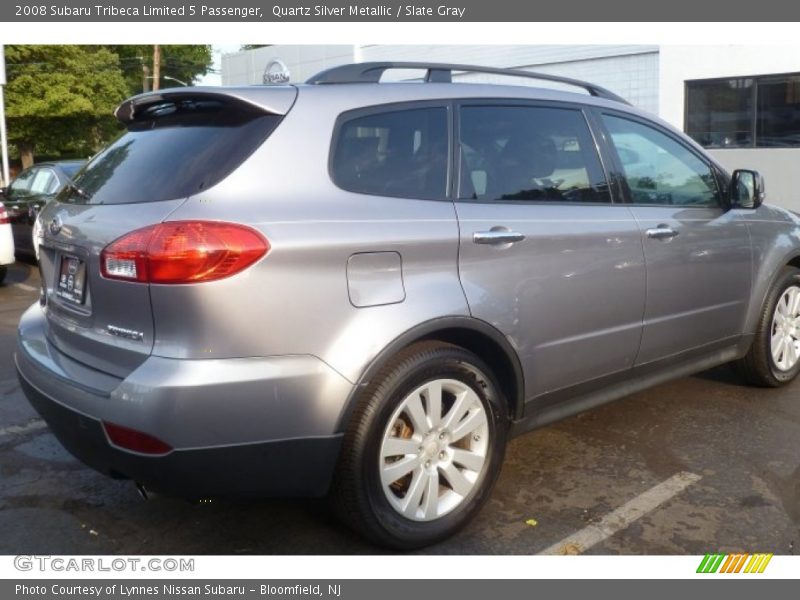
(237, 426)
(301, 467)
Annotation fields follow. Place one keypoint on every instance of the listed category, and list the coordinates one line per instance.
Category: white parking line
(623, 516)
(18, 429)
(25, 286)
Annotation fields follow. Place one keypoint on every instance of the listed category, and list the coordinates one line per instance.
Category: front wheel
(3, 272)
(774, 358)
(423, 449)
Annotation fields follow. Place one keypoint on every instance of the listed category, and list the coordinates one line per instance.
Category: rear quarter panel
(295, 300)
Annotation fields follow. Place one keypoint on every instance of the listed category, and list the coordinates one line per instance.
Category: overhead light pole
(3, 138)
(168, 78)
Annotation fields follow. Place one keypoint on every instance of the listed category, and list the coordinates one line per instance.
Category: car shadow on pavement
(22, 271)
(724, 374)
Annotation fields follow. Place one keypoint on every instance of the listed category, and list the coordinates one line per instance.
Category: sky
(218, 50)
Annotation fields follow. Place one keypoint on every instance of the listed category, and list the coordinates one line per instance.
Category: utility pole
(156, 66)
(145, 76)
(3, 138)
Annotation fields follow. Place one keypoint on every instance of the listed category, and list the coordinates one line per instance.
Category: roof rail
(371, 72)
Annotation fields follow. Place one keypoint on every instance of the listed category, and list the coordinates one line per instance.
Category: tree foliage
(60, 99)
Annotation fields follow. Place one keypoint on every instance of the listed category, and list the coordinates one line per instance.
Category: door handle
(662, 232)
(497, 236)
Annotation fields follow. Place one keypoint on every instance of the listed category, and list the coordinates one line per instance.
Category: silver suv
(363, 289)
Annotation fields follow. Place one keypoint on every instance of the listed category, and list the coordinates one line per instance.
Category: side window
(21, 186)
(658, 169)
(399, 153)
(529, 153)
(44, 182)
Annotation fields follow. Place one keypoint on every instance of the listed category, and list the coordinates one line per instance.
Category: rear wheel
(423, 449)
(774, 358)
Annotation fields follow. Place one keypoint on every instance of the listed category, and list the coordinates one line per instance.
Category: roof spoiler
(277, 100)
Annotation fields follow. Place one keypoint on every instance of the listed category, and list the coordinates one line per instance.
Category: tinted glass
(173, 150)
(743, 112)
(720, 113)
(529, 153)
(658, 169)
(778, 124)
(21, 186)
(399, 153)
(44, 182)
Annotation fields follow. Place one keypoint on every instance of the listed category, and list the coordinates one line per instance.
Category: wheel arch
(762, 284)
(475, 335)
(793, 262)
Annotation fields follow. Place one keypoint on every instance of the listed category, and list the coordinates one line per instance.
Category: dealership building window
(745, 112)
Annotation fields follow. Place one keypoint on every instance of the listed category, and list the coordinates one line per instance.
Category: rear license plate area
(71, 284)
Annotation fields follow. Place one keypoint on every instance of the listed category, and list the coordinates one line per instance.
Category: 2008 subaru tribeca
(363, 289)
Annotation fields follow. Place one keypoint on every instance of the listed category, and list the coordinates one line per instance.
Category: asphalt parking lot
(698, 465)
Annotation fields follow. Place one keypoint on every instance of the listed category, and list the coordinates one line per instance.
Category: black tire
(3, 273)
(758, 366)
(357, 495)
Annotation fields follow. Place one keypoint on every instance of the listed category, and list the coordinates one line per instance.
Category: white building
(740, 102)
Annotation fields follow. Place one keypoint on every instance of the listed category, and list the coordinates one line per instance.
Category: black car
(29, 192)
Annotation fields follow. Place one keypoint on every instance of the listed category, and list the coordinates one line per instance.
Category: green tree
(60, 99)
(185, 63)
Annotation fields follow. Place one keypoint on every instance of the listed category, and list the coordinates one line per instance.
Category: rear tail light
(3, 214)
(183, 252)
(136, 441)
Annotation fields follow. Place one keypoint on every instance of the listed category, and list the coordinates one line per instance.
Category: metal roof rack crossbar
(371, 72)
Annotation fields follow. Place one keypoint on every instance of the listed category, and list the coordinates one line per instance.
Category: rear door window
(44, 182)
(172, 150)
(529, 153)
(402, 153)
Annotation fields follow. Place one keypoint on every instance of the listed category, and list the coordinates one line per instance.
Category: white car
(6, 243)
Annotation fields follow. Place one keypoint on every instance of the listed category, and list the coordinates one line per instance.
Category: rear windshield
(71, 168)
(172, 150)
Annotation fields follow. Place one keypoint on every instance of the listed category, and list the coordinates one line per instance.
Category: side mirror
(747, 189)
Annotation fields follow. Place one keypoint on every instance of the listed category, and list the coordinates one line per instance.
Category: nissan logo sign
(276, 73)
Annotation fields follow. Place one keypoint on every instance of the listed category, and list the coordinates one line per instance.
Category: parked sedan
(29, 192)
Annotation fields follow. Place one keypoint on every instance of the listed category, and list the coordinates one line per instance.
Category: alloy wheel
(434, 449)
(785, 338)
